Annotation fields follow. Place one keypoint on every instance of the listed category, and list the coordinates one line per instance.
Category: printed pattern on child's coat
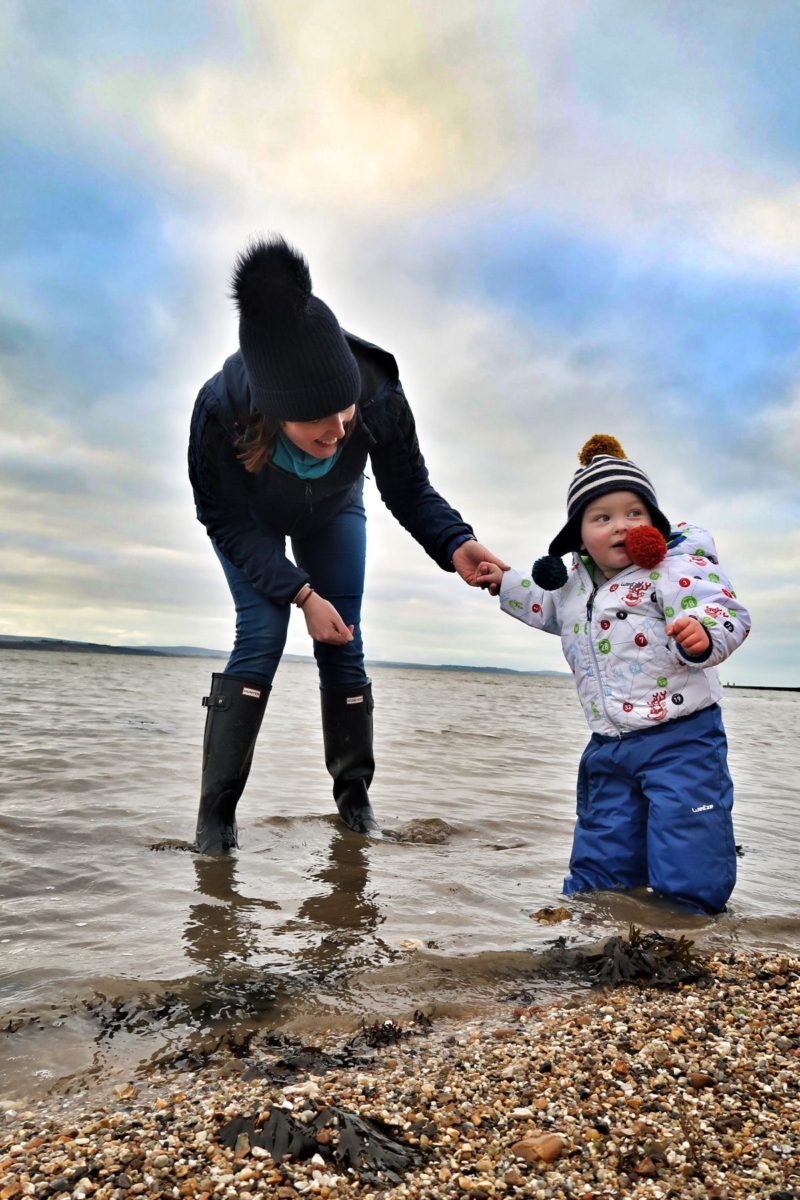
(629, 674)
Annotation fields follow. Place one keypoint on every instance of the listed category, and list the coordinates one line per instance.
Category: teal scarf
(291, 458)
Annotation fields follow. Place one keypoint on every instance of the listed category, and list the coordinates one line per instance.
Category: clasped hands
(478, 567)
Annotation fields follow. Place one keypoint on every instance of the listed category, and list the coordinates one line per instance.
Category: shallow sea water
(114, 953)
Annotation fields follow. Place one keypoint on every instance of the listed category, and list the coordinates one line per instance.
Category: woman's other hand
(324, 623)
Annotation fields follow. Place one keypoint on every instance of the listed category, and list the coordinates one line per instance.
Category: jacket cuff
(457, 541)
(697, 659)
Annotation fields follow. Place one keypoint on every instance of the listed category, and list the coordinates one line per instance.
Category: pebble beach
(617, 1091)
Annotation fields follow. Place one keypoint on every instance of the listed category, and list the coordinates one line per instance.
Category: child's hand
(693, 637)
(490, 576)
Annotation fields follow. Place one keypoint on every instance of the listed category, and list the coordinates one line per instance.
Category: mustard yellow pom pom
(600, 443)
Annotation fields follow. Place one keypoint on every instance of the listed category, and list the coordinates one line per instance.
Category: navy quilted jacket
(248, 516)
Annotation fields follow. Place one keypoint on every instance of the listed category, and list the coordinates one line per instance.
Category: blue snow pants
(654, 809)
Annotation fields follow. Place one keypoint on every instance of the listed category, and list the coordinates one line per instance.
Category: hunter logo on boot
(254, 693)
(355, 700)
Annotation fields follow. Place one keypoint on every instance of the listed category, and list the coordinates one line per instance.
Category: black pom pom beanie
(298, 363)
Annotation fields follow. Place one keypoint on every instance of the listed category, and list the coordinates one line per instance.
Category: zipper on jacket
(309, 497)
(596, 662)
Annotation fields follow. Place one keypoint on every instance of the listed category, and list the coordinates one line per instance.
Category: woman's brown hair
(255, 444)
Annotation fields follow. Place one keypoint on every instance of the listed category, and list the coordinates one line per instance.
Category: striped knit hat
(604, 468)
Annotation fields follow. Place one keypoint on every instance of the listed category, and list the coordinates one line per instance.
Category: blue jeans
(334, 558)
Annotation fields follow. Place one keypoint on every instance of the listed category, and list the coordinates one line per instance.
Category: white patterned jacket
(629, 674)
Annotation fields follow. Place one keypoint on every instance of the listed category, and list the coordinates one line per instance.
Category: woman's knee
(341, 666)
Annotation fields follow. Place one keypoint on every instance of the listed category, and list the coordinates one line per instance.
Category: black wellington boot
(347, 734)
(235, 711)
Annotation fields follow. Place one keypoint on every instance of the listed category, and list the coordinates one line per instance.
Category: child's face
(604, 525)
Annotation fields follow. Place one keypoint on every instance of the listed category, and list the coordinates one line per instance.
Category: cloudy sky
(560, 217)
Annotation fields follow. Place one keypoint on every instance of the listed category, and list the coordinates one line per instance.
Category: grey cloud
(41, 477)
(15, 336)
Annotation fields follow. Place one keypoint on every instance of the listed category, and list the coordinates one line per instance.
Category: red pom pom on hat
(646, 547)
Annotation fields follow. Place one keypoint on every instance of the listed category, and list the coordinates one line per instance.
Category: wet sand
(689, 1091)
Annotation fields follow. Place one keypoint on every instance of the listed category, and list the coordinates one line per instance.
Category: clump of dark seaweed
(648, 959)
(389, 1033)
(301, 1060)
(294, 1058)
(367, 1145)
(640, 959)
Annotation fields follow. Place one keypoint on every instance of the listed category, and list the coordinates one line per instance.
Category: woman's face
(319, 438)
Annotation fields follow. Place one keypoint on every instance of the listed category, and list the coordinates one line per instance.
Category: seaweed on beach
(295, 1058)
(367, 1145)
(646, 959)
(200, 1006)
(389, 1033)
(281, 1135)
(303, 1060)
(367, 1141)
(640, 959)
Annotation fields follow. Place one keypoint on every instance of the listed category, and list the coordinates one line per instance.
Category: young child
(654, 795)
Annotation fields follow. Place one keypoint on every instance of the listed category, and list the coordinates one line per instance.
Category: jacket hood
(694, 540)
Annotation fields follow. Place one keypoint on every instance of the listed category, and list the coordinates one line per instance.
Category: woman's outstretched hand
(468, 557)
(324, 623)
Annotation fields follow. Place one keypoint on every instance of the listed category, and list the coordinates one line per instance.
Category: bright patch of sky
(717, 344)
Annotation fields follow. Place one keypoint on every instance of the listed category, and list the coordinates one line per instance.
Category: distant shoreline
(760, 687)
(10, 642)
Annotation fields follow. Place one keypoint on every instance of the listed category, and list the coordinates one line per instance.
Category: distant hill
(10, 642)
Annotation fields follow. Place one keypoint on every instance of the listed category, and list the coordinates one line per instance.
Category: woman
(279, 441)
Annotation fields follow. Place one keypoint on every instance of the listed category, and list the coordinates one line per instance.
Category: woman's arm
(222, 499)
(403, 482)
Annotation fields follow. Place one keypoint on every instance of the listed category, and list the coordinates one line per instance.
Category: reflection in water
(255, 973)
(222, 935)
(222, 926)
(346, 911)
(332, 935)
